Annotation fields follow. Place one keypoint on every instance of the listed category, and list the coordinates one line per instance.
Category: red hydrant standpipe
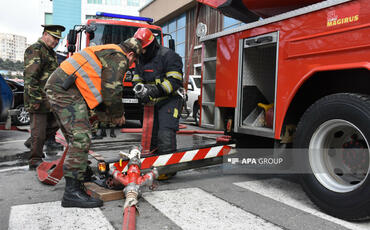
(132, 182)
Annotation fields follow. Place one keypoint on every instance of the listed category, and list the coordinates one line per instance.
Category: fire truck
(296, 76)
(111, 28)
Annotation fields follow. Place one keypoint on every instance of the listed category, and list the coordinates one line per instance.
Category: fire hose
(132, 182)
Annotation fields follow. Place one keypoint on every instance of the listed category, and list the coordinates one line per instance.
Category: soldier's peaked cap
(54, 30)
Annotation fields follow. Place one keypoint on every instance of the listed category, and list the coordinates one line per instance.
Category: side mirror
(72, 38)
(90, 29)
(171, 44)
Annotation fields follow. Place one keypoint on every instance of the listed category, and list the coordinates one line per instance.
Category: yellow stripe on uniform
(175, 113)
(137, 78)
(174, 74)
(167, 86)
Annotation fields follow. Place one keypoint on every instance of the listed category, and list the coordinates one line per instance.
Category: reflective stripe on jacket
(165, 70)
(87, 67)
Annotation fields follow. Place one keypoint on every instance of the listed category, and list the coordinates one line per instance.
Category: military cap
(54, 30)
(133, 44)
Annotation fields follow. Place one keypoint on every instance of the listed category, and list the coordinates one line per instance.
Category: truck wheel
(334, 134)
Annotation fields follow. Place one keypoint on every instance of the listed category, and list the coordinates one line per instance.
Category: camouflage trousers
(73, 115)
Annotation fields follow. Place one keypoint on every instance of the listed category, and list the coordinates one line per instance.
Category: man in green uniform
(89, 79)
(39, 63)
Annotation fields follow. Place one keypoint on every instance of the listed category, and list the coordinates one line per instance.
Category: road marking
(193, 208)
(292, 194)
(14, 168)
(52, 216)
(6, 142)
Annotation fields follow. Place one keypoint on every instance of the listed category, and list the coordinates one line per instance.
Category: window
(96, 17)
(176, 28)
(90, 17)
(48, 18)
(230, 23)
(113, 2)
(106, 34)
(133, 3)
(94, 1)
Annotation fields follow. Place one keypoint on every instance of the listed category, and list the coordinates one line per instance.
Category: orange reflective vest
(87, 67)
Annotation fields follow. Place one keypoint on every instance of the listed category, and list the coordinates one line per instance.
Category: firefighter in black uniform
(160, 70)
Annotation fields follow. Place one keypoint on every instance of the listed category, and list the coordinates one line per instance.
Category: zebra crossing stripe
(52, 216)
(292, 195)
(193, 208)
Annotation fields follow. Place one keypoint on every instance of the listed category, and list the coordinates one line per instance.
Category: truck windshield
(108, 34)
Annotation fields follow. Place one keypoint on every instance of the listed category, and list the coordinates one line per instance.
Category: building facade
(76, 12)
(12, 47)
(186, 21)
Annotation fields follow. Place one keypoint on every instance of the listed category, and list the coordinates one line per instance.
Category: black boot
(75, 196)
(103, 132)
(112, 134)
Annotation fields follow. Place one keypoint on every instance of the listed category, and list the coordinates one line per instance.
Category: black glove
(154, 91)
(144, 92)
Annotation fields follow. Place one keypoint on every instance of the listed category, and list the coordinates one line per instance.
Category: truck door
(257, 85)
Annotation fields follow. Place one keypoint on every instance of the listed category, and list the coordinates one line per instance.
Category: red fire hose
(132, 182)
(129, 220)
(138, 130)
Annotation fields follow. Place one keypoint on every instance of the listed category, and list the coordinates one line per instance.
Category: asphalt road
(204, 198)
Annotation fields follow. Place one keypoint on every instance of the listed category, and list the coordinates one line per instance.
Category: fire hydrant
(132, 182)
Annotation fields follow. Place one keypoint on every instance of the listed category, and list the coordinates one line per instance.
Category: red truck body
(308, 44)
(310, 67)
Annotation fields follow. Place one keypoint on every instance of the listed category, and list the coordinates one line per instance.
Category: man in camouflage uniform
(39, 62)
(108, 65)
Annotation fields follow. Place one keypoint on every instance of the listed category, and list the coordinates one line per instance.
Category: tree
(10, 65)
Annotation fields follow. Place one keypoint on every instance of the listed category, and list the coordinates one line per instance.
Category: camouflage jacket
(40, 61)
(114, 67)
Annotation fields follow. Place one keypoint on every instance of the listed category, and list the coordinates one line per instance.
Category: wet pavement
(13, 153)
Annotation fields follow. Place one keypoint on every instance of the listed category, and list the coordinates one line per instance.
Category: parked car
(6, 98)
(193, 94)
(23, 117)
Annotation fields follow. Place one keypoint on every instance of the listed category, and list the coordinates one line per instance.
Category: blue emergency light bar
(122, 16)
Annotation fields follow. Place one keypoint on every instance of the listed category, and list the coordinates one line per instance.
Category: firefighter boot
(112, 134)
(76, 196)
(166, 143)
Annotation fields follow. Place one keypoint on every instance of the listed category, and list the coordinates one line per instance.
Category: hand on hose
(153, 91)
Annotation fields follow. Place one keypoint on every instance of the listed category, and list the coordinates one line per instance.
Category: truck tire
(338, 182)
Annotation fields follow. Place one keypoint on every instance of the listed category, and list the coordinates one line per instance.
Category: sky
(21, 17)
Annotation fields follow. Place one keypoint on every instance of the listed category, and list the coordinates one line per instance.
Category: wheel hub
(339, 156)
(355, 155)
